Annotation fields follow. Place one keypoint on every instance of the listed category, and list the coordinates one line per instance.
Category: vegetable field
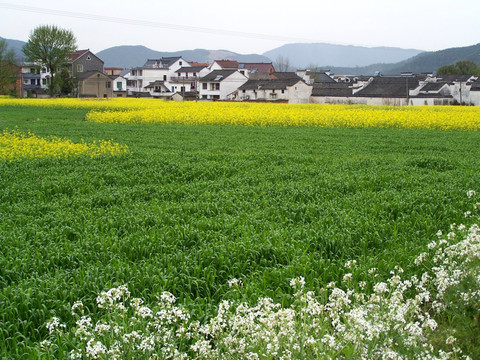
(187, 208)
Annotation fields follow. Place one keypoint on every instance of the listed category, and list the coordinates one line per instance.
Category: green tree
(464, 67)
(51, 46)
(8, 68)
(65, 82)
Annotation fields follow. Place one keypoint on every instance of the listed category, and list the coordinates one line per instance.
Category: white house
(475, 93)
(459, 86)
(219, 84)
(34, 79)
(145, 80)
(119, 82)
(293, 90)
(188, 77)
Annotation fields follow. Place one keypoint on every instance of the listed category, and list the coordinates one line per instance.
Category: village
(174, 78)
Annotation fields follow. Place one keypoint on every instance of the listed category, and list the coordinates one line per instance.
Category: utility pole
(460, 93)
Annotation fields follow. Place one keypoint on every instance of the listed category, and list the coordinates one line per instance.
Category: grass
(191, 207)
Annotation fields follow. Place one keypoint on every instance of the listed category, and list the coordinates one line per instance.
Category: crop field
(187, 205)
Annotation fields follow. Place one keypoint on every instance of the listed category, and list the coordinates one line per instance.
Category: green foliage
(192, 207)
(8, 69)
(464, 67)
(65, 82)
(51, 46)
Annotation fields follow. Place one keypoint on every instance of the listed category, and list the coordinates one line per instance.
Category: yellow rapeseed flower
(130, 110)
(17, 145)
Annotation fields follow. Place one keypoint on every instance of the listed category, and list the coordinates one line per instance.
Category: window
(79, 68)
(204, 86)
(180, 63)
(182, 89)
(108, 84)
(44, 81)
(139, 72)
(164, 77)
(217, 86)
(89, 58)
(134, 72)
(119, 85)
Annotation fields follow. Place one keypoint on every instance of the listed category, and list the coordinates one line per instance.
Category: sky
(249, 26)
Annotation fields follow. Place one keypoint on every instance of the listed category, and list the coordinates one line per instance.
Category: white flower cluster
(392, 322)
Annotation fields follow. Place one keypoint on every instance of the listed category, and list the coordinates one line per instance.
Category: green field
(191, 207)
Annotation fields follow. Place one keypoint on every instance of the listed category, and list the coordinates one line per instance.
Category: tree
(51, 46)
(282, 64)
(464, 67)
(65, 82)
(8, 68)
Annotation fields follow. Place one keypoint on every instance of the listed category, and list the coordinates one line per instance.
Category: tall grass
(191, 207)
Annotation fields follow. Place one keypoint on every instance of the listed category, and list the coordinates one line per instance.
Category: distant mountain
(422, 63)
(321, 54)
(15, 45)
(352, 60)
(131, 56)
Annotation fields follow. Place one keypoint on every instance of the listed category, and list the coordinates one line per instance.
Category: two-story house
(88, 74)
(34, 80)
(219, 84)
(157, 77)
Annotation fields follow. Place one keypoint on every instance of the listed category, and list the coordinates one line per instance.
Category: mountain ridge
(126, 56)
(303, 55)
(135, 55)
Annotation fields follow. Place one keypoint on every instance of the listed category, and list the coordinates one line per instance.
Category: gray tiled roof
(270, 84)
(285, 75)
(162, 63)
(475, 85)
(322, 78)
(191, 69)
(218, 75)
(432, 95)
(332, 89)
(389, 87)
(433, 86)
(87, 74)
(155, 83)
(454, 78)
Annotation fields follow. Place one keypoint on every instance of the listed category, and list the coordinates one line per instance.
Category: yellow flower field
(265, 114)
(18, 145)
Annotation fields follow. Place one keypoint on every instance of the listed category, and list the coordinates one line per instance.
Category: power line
(111, 19)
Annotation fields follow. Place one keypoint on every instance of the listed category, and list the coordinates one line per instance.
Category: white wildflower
(380, 288)
(235, 282)
(450, 340)
(77, 308)
(95, 349)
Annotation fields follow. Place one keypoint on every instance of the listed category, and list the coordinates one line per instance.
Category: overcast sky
(249, 26)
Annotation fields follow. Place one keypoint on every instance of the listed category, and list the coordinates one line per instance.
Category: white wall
(299, 93)
(227, 86)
